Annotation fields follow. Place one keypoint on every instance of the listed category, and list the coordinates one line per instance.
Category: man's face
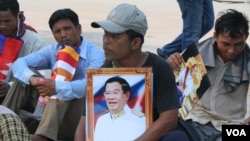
(66, 33)
(116, 46)
(228, 47)
(115, 97)
(8, 23)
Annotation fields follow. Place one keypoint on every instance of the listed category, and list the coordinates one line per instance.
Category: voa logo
(236, 132)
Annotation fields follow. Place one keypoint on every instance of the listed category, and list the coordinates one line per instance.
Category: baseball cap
(122, 18)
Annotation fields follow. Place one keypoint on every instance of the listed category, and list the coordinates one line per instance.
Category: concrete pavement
(164, 17)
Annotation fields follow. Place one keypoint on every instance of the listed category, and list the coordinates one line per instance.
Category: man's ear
(136, 43)
(79, 28)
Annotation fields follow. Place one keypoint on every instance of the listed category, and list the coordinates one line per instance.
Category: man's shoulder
(32, 37)
(137, 113)
(29, 33)
(92, 49)
(89, 44)
(107, 64)
(156, 61)
(159, 66)
(154, 57)
(207, 42)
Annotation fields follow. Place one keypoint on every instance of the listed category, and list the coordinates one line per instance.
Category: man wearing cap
(124, 31)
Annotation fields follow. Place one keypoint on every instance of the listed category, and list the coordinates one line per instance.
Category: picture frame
(191, 80)
(140, 81)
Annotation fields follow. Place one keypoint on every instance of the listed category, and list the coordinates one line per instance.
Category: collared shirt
(218, 105)
(124, 126)
(90, 57)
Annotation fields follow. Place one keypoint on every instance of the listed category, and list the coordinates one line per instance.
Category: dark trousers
(176, 135)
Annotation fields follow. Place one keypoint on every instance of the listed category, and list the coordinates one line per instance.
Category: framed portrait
(118, 103)
(192, 80)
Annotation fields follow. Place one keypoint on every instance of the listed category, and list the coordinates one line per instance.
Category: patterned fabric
(66, 64)
(12, 128)
(64, 70)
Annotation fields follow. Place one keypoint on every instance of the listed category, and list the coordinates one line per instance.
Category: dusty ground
(164, 19)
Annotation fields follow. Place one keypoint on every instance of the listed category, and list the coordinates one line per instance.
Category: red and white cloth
(9, 50)
(66, 64)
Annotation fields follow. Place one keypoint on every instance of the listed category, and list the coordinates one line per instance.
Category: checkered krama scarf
(12, 128)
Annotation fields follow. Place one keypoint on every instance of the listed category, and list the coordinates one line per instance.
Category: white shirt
(126, 127)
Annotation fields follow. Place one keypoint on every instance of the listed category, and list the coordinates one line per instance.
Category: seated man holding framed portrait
(124, 31)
